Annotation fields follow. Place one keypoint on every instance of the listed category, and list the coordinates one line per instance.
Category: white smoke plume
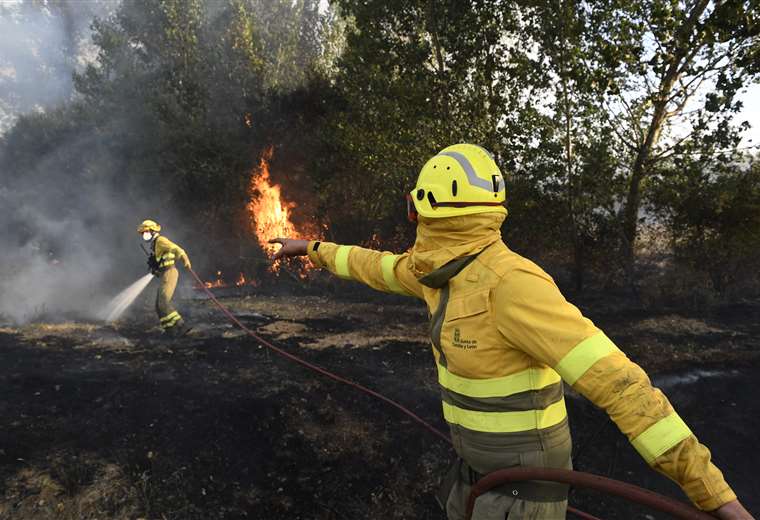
(41, 45)
(67, 240)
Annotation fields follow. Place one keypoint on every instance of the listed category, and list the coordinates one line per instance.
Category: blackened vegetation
(120, 423)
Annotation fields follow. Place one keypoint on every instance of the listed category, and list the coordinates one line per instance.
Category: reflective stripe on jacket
(167, 252)
(503, 336)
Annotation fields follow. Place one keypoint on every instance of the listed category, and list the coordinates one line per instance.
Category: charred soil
(118, 422)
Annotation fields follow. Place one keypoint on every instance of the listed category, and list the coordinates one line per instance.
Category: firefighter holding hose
(161, 262)
(504, 339)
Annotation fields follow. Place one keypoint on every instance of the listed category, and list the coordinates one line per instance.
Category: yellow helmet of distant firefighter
(148, 225)
(462, 179)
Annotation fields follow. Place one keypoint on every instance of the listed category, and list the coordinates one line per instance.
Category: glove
(187, 263)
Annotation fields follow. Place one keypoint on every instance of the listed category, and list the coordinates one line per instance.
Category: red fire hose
(315, 368)
(501, 477)
(579, 479)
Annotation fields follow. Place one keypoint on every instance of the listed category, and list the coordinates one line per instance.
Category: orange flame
(269, 213)
(242, 280)
(216, 283)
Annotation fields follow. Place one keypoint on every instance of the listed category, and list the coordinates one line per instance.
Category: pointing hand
(290, 247)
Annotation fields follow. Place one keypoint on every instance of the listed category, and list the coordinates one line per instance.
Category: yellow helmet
(462, 179)
(148, 225)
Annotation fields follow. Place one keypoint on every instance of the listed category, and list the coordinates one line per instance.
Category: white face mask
(147, 236)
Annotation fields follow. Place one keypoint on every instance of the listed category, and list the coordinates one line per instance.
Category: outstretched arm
(383, 271)
(534, 317)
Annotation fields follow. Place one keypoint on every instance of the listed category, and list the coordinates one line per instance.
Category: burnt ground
(116, 422)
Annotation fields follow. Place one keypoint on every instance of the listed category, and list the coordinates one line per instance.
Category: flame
(240, 282)
(270, 214)
(216, 283)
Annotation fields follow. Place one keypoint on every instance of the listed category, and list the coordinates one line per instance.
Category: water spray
(125, 298)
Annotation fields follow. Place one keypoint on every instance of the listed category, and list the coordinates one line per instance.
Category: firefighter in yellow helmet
(504, 339)
(163, 255)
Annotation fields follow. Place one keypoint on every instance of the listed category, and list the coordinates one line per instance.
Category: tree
(713, 214)
(415, 77)
(173, 113)
(685, 49)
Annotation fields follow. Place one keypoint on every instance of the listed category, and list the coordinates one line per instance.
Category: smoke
(67, 244)
(78, 172)
(43, 44)
(69, 227)
(68, 235)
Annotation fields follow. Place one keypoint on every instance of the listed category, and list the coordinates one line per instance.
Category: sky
(751, 113)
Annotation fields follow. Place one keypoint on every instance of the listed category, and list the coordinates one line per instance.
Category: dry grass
(68, 329)
(677, 325)
(73, 489)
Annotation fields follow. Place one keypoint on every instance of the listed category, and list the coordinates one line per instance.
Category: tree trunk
(681, 48)
(639, 171)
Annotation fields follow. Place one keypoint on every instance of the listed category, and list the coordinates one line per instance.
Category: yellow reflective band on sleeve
(505, 422)
(583, 356)
(341, 262)
(388, 263)
(530, 379)
(660, 437)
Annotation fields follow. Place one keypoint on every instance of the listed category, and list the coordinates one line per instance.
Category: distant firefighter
(504, 340)
(163, 254)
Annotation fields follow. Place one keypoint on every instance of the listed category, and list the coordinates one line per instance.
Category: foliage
(714, 218)
(601, 115)
(174, 112)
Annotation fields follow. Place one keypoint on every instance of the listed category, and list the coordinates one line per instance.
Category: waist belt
(531, 490)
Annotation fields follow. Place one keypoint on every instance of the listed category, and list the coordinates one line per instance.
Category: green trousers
(498, 506)
(167, 314)
(501, 504)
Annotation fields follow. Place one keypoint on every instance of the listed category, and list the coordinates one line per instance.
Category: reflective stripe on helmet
(341, 262)
(583, 356)
(472, 177)
(660, 437)
(462, 179)
(497, 422)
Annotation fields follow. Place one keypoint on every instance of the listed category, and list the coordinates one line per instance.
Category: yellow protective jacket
(503, 336)
(166, 252)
